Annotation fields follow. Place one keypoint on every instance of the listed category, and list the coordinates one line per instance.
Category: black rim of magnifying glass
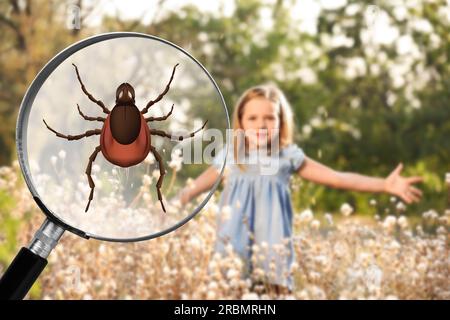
(24, 112)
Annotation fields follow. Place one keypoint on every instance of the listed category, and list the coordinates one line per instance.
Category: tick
(125, 137)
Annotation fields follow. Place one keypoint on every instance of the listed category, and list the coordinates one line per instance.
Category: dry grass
(383, 258)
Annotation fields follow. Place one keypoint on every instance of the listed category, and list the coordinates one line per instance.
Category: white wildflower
(315, 224)
(226, 213)
(250, 296)
(150, 159)
(177, 160)
(232, 273)
(402, 222)
(401, 206)
(329, 218)
(155, 173)
(389, 223)
(306, 215)
(146, 180)
(128, 259)
(346, 209)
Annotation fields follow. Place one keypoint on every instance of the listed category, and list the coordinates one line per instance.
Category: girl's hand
(402, 186)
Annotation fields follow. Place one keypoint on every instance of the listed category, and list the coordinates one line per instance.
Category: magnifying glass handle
(21, 274)
(29, 262)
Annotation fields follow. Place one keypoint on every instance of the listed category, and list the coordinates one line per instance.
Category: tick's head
(125, 94)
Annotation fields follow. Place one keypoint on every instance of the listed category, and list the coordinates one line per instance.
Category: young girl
(261, 211)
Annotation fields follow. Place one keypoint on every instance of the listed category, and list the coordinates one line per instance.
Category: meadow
(339, 255)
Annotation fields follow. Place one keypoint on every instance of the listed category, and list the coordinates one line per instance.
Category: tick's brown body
(125, 138)
(126, 154)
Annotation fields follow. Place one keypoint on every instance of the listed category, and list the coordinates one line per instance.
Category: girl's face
(259, 120)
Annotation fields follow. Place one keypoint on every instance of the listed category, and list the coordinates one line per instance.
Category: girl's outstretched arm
(393, 184)
(201, 184)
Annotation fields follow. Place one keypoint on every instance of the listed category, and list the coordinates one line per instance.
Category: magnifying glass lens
(114, 131)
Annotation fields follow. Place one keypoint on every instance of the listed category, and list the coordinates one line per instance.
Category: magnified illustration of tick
(125, 137)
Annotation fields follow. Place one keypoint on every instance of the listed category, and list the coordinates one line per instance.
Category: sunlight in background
(304, 12)
(148, 10)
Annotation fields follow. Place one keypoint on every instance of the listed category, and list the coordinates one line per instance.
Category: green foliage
(8, 229)
(364, 123)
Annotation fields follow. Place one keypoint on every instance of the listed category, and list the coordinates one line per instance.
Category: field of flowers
(342, 255)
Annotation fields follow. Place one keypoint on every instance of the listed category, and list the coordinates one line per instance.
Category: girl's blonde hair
(269, 91)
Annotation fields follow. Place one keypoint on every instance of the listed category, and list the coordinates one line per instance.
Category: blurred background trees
(368, 81)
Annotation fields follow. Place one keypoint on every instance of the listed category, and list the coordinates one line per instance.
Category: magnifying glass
(103, 135)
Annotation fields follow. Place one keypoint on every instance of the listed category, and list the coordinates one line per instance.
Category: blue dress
(255, 212)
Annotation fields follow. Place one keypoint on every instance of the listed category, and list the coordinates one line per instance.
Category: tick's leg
(174, 137)
(160, 118)
(88, 173)
(75, 137)
(162, 173)
(158, 98)
(89, 118)
(90, 96)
